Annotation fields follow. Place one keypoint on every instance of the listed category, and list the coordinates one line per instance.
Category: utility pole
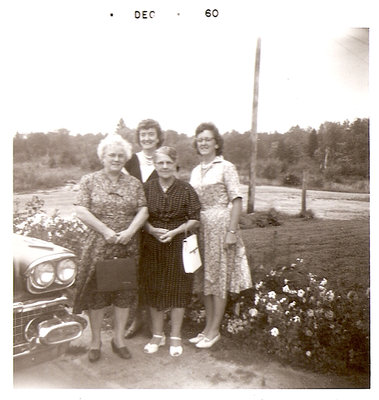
(253, 159)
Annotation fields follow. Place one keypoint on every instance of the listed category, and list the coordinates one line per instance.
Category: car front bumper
(40, 324)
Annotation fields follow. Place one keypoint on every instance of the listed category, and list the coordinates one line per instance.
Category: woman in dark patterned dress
(113, 206)
(173, 208)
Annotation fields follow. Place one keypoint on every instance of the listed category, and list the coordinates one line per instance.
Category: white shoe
(151, 348)
(176, 351)
(206, 343)
(197, 338)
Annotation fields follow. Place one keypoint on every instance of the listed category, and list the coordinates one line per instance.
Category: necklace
(148, 159)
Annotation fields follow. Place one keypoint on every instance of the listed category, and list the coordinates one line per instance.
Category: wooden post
(304, 193)
(253, 159)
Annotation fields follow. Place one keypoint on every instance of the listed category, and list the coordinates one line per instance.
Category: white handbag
(191, 254)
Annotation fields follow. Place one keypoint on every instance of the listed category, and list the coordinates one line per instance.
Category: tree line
(334, 152)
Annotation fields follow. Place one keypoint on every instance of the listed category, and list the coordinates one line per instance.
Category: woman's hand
(124, 237)
(167, 237)
(110, 236)
(230, 240)
(157, 232)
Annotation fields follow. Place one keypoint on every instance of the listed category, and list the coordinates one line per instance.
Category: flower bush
(34, 222)
(299, 319)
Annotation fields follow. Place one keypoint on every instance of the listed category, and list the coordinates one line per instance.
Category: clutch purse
(191, 254)
(116, 274)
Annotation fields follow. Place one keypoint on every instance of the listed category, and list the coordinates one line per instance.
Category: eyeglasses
(207, 140)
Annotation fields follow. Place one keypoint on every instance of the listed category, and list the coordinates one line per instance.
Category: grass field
(336, 250)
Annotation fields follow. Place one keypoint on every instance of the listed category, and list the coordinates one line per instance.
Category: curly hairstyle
(210, 126)
(112, 139)
(147, 124)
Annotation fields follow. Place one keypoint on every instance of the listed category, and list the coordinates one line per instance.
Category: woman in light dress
(224, 258)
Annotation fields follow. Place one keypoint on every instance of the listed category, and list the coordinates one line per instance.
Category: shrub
(291, 180)
(261, 219)
(299, 319)
(34, 222)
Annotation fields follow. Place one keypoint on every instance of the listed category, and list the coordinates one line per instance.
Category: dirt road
(328, 205)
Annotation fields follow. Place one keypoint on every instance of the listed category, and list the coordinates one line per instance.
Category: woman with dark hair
(225, 268)
(174, 208)
(113, 206)
(150, 137)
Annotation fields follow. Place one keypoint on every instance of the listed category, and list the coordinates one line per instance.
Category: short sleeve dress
(163, 283)
(217, 185)
(116, 205)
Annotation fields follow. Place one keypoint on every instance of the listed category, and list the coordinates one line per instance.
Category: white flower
(283, 299)
(329, 295)
(286, 289)
(296, 318)
(271, 295)
(271, 307)
(256, 299)
(286, 281)
(274, 331)
(258, 285)
(323, 282)
(300, 293)
(308, 353)
(293, 304)
(253, 312)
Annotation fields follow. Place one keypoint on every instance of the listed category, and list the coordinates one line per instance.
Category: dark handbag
(116, 274)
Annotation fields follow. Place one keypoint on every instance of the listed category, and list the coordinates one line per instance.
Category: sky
(72, 65)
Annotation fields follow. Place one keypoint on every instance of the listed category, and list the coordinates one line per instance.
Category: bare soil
(215, 368)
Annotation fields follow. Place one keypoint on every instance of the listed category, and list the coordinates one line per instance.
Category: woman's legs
(177, 315)
(120, 318)
(209, 311)
(215, 309)
(157, 324)
(96, 319)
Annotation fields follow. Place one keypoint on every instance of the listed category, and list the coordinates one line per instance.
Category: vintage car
(42, 274)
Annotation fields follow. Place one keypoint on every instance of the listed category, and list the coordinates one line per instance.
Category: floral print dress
(217, 185)
(116, 206)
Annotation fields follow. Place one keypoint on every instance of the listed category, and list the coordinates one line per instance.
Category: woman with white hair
(113, 206)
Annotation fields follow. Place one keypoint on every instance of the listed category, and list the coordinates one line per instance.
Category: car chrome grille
(21, 319)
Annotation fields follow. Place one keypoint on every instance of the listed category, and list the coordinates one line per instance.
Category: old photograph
(190, 195)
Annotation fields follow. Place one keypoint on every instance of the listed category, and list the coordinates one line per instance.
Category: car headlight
(66, 270)
(43, 275)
